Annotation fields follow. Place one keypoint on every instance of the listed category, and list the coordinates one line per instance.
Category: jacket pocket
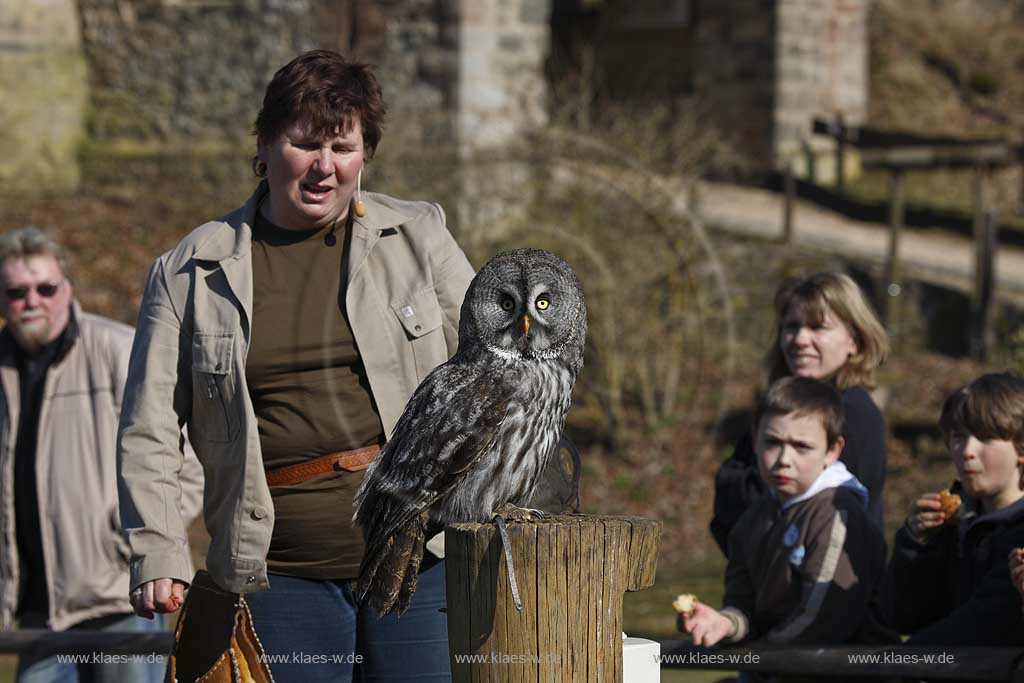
(215, 410)
(420, 317)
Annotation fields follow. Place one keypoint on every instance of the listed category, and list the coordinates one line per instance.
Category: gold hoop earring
(359, 207)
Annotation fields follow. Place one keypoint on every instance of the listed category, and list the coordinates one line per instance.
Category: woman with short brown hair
(288, 336)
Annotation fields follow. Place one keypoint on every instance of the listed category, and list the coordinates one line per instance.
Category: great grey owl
(479, 429)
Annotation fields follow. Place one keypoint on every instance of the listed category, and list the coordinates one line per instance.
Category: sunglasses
(45, 290)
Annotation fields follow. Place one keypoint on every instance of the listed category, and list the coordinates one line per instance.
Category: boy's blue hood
(835, 476)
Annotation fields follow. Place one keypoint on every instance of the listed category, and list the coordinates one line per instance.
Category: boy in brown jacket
(805, 560)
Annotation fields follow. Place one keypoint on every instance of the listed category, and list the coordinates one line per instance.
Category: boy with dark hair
(804, 561)
(949, 581)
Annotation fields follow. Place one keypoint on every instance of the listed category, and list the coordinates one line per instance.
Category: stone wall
(501, 89)
(734, 72)
(758, 71)
(197, 69)
(174, 85)
(42, 78)
(821, 70)
(184, 78)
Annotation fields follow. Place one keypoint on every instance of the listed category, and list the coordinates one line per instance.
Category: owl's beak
(526, 325)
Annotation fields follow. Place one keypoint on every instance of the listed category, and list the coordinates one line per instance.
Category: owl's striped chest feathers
(528, 435)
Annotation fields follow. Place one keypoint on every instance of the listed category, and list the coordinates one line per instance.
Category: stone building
(758, 71)
(172, 85)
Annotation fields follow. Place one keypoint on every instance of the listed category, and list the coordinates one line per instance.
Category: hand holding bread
(706, 625)
(685, 604)
(930, 512)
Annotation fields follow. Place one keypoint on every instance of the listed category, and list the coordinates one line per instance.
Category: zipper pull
(210, 384)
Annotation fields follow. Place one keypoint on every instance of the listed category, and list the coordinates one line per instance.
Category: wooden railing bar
(938, 663)
(44, 642)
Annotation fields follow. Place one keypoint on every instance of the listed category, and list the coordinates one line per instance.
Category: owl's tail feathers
(388, 581)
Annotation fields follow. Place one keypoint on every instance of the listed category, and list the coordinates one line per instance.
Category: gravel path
(931, 255)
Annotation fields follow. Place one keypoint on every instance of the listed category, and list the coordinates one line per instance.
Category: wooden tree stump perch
(572, 571)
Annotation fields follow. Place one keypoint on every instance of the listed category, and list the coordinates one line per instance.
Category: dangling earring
(359, 206)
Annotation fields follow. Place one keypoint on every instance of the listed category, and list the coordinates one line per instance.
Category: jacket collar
(378, 215)
(367, 230)
(233, 238)
(973, 515)
(230, 243)
(835, 476)
(9, 348)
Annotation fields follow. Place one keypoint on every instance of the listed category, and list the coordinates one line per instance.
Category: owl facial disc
(524, 304)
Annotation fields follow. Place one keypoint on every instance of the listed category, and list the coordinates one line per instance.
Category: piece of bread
(685, 603)
(950, 506)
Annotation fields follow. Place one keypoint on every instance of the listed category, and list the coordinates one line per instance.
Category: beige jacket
(407, 279)
(86, 557)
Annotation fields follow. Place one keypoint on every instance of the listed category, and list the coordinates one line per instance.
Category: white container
(640, 660)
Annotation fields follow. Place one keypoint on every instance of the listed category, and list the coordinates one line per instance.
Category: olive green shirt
(310, 394)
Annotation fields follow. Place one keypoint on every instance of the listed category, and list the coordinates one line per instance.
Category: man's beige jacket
(406, 281)
(85, 554)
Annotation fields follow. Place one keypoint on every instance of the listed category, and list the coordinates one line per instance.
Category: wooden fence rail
(900, 661)
(934, 663)
(46, 643)
(899, 153)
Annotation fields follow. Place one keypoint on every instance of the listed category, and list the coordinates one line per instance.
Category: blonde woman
(824, 329)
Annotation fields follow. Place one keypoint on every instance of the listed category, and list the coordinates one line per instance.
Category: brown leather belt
(347, 461)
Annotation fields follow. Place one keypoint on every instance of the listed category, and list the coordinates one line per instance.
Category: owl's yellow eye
(542, 303)
(507, 304)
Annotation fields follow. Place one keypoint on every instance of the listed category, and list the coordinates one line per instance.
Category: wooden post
(985, 229)
(1020, 197)
(840, 135)
(789, 196)
(572, 571)
(892, 287)
(811, 161)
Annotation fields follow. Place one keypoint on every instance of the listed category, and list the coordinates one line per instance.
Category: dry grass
(949, 67)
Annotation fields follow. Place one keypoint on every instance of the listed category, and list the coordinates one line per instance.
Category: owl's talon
(514, 513)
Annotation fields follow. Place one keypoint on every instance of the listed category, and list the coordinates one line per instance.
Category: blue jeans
(137, 668)
(314, 631)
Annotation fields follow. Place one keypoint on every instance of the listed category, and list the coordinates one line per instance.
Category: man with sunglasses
(62, 374)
